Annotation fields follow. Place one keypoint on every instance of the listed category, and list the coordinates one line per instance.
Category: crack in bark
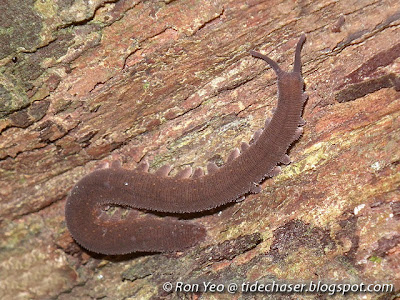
(206, 23)
(361, 89)
(37, 147)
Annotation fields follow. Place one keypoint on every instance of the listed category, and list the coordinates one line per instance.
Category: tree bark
(83, 83)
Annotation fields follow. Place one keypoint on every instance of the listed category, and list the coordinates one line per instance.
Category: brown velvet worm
(187, 192)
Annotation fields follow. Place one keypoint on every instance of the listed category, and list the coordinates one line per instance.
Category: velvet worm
(188, 191)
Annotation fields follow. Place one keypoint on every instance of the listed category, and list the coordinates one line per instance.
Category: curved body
(145, 191)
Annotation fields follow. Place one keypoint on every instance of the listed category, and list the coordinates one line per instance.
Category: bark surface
(83, 83)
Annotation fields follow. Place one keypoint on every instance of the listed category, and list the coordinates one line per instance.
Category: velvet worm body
(187, 192)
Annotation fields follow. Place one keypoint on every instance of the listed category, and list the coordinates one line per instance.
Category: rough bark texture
(86, 82)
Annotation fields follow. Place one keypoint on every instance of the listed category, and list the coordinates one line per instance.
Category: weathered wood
(172, 82)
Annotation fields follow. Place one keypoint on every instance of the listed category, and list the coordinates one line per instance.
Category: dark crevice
(30, 114)
(208, 22)
(361, 89)
(37, 147)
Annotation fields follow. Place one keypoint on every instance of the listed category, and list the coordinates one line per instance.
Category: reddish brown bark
(172, 81)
